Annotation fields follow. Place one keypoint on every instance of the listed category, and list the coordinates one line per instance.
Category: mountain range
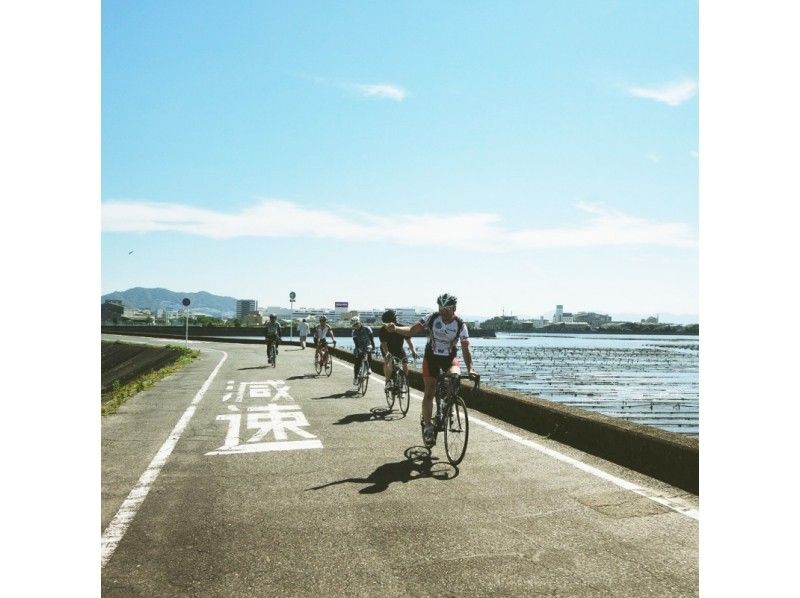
(159, 299)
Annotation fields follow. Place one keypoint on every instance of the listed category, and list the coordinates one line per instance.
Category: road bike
(397, 387)
(272, 353)
(364, 370)
(451, 415)
(322, 360)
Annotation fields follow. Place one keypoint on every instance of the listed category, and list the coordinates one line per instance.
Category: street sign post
(186, 303)
(292, 295)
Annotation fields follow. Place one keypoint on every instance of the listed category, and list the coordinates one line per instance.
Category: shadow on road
(303, 377)
(339, 395)
(256, 367)
(375, 414)
(417, 465)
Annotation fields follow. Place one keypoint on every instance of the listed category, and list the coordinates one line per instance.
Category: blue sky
(518, 154)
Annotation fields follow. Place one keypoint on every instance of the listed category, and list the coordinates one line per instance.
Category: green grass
(111, 400)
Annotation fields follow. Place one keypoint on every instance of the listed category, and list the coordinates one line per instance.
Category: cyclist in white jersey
(445, 331)
(321, 332)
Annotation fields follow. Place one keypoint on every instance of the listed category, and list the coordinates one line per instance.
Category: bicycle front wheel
(317, 365)
(328, 365)
(389, 396)
(456, 431)
(364, 379)
(403, 393)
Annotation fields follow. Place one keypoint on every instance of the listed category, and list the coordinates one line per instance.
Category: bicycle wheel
(363, 379)
(317, 364)
(456, 431)
(390, 393)
(328, 365)
(403, 392)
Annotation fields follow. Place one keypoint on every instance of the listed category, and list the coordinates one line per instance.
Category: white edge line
(127, 511)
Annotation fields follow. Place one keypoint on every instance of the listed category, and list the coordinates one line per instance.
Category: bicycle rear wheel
(456, 431)
(328, 364)
(403, 392)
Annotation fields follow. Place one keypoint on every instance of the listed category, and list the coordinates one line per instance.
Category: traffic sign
(292, 295)
(186, 301)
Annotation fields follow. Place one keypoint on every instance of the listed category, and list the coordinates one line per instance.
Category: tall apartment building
(244, 307)
(557, 317)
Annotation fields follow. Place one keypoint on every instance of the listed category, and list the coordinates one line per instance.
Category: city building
(559, 314)
(245, 307)
(593, 319)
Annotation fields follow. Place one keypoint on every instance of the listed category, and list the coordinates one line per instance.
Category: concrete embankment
(660, 454)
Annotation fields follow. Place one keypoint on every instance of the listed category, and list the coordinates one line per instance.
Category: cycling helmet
(323, 319)
(272, 316)
(355, 321)
(447, 300)
(389, 316)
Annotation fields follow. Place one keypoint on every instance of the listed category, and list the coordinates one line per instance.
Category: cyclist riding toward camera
(445, 331)
(321, 332)
(392, 346)
(272, 332)
(363, 342)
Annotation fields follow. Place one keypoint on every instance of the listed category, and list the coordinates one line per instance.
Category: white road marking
(671, 503)
(127, 511)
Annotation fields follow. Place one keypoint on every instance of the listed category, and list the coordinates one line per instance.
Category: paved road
(232, 479)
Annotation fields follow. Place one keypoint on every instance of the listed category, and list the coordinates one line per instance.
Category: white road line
(127, 511)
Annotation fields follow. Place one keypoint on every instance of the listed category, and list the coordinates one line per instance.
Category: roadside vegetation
(146, 366)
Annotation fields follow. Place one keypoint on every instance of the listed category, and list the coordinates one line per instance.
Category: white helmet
(355, 321)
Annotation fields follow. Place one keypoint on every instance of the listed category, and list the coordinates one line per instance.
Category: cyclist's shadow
(417, 465)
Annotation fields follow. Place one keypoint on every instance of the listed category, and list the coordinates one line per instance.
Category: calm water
(651, 380)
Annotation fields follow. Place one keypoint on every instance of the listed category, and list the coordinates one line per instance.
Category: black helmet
(447, 300)
(389, 316)
(272, 316)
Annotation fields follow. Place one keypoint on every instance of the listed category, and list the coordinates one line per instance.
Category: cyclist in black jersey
(392, 346)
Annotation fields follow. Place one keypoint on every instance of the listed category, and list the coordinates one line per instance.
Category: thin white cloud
(654, 158)
(672, 94)
(384, 91)
(381, 91)
(476, 231)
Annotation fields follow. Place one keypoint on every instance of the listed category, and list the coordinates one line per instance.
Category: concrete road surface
(229, 478)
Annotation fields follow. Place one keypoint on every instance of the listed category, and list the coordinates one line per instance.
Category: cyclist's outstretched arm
(468, 358)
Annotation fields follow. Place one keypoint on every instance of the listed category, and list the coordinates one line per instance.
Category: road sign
(341, 304)
(186, 301)
(292, 296)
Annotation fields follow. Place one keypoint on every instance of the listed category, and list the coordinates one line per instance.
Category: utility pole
(292, 295)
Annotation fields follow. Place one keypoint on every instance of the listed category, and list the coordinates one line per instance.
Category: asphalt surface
(320, 491)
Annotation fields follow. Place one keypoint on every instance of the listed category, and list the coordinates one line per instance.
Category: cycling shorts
(401, 355)
(433, 364)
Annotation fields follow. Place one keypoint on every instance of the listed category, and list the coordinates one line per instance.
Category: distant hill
(158, 299)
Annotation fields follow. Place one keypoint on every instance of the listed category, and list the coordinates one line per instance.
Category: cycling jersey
(363, 338)
(394, 342)
(321, 331)
(272, 330)
(442, 338)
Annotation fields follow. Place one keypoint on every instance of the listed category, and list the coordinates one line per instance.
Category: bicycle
(451, 415)
(272, 353)
(399, 387)
(322, 360)
(364, 371)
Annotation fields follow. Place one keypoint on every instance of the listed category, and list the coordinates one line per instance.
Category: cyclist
(392, 346)
(321, 331)
(363, 339)
(272, 332)
(445, 330)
